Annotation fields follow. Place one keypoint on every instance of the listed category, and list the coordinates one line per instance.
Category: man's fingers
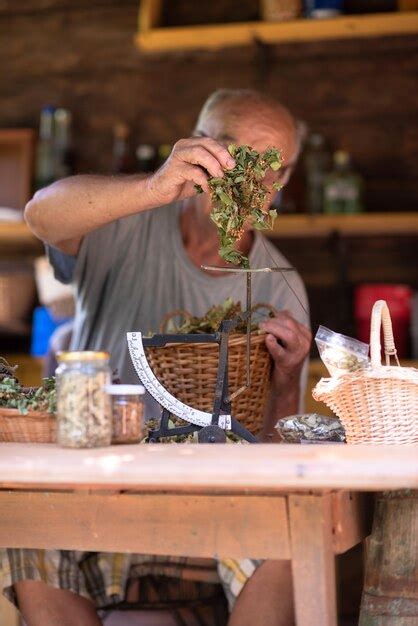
(287, 335)
(196, 175)
(216, 149)
(200, 156)
(285, 320)
(219, 152)
(276, 350)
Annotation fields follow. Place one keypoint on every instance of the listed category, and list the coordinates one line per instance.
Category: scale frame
(221, 418)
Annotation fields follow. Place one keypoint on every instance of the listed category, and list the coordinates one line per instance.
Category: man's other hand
(289, 343)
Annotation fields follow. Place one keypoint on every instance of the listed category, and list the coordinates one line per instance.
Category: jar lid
(125, 390)
(82, 355)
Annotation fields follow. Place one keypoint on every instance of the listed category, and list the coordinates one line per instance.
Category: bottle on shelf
(317, 161)
(121, 154)
(45, 158)
(322, 9)
(164, 151)
(146, 158)
(371, 6)
(342, 187)
(64, 165)
(279, 10)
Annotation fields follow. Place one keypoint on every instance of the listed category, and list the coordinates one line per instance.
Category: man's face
(258, 129)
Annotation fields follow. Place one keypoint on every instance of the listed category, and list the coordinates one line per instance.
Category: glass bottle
(63, 144)
(121, 157)
(83, 406)
(146, 158)
(317, 161)
(45, 161)
(127, 412)
(342, 187)
(164, 151)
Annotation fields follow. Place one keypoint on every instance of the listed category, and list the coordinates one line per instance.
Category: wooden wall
(80, 54)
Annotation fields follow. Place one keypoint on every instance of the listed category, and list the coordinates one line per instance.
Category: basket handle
(381, 318)
(264, 305)
(170, 316)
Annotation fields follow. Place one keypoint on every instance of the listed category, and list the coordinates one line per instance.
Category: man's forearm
(280, 404)
(72, 207)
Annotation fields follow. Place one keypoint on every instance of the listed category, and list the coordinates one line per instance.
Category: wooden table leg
(313, 561)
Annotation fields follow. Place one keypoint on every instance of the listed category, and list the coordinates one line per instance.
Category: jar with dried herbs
(83, 407)
(127, 412)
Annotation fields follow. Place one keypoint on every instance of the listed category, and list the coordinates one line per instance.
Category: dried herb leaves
(14, 396)
(239, 196)
(209, 323)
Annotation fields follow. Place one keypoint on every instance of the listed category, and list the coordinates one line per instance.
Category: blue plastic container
(43, 326)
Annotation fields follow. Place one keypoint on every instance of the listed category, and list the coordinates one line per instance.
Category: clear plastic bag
(310, 427)
(341, 354)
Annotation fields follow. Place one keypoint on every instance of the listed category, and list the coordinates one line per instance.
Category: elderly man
(134, 247)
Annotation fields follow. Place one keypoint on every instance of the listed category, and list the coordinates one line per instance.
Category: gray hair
(222, 97)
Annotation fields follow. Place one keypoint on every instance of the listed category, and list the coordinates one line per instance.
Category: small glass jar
(84, 418)
(127, 412)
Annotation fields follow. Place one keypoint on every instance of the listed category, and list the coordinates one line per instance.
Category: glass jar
(83, 406)
(127, 412)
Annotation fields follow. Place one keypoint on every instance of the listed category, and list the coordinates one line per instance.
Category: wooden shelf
(152, 38)
(365, 224)
(16, 237)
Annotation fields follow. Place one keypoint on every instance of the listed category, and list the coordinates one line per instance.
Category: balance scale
(211, 427)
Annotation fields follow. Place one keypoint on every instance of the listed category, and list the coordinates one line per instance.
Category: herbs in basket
(240, 195)
(25, 399)
(210, 321)
(27, 414)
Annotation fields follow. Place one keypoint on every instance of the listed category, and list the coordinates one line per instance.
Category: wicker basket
(35, 427)
(188, 371)
(378, 405)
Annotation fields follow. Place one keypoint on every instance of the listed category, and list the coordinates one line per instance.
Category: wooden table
(299, 502)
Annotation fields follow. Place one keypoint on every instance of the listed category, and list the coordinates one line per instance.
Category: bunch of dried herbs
(240, 195)
(6, 370)
(209, 323)
(25, 399)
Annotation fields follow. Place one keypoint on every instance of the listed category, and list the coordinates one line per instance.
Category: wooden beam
(351, 519)
(223, 35)
(365, 224)
(260, 468)
(313, 561)
(204, 526)
(149, 15)
(18, 234)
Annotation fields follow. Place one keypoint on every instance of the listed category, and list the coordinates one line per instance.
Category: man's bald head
(248, 116)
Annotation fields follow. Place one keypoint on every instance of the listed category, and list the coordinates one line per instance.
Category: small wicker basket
(378, 405)
(34, 427)
(188, 371)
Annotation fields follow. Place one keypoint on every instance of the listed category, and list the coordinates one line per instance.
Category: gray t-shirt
(129, 274)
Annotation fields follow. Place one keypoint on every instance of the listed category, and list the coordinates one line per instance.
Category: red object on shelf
(399, 300)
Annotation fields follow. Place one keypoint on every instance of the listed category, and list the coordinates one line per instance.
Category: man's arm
(289, 343)
(64, 212)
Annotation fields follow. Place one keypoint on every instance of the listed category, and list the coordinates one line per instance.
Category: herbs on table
(239, 196)
(24, 399)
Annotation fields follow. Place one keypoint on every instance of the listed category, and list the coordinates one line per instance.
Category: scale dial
(160, 393)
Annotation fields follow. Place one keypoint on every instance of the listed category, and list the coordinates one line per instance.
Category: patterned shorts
(103, 577)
